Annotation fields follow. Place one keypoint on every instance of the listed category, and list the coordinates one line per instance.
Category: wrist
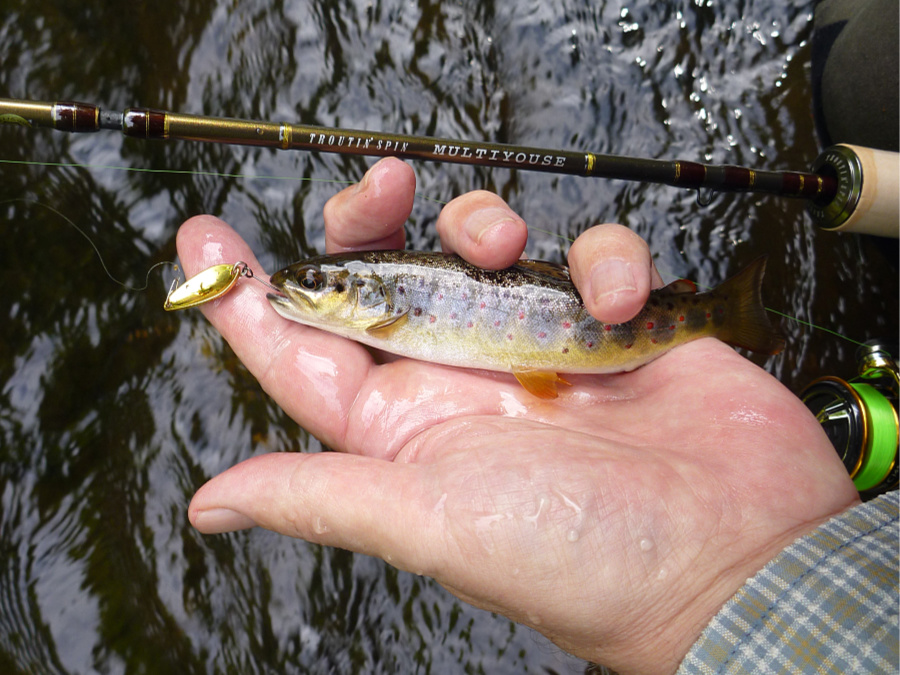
(662, 632)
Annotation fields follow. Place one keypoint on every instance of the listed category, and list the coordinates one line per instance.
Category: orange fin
(748, 324)
(386, 328)
(679, 286)
(540, 383)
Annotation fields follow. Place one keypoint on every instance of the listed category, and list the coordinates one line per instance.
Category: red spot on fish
(590, 344)
(649, 325)
(470, 324)
(608, 327)
(672, 327)
(708, 315)
(629, 346)
(681, 318)
(566, 324)
(542, 335)
(721, 310)
(432, 319)
(521, 315)
(497, 322)
(509, 336)
(483, 304)
(452, 315)
(440, 296)
(565, 350)
(653, 340)
(417, 311)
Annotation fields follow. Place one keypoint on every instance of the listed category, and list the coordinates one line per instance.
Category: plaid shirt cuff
(826, 604)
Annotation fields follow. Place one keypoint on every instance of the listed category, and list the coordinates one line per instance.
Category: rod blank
(147, 123)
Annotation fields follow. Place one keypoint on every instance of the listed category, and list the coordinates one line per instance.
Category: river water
(112, 412)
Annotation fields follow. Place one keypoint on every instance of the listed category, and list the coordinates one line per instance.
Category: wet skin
(616, 519)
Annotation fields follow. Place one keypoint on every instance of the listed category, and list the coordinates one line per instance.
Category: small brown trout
(527, 319)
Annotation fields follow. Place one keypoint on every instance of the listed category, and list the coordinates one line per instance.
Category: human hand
(616, 519)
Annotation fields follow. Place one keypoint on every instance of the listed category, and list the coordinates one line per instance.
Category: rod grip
(868, 195)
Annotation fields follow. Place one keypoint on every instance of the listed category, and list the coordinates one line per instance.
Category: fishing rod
(849, 188)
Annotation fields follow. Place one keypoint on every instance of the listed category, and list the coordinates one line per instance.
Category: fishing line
(299, 179)
(133, 289)
(177, 172)
(816, 327)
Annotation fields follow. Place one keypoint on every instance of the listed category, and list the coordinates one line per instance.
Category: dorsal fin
(544, 268)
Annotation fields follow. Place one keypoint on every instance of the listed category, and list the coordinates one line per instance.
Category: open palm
(616, 519)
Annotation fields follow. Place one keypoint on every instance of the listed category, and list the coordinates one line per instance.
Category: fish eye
(310, 278)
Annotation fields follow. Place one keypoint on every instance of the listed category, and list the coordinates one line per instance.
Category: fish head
(334, 296)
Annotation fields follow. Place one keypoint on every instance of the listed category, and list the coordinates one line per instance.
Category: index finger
(302, 368)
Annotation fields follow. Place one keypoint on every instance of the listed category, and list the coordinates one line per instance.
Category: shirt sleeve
(826, 604)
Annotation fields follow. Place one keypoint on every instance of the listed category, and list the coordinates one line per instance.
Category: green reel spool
(862, 424)
(880, 452)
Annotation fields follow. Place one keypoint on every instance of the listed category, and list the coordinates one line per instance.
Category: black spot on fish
(401, 290)
(624, 334)
(718, 317)
(695, 319)
(417, 311)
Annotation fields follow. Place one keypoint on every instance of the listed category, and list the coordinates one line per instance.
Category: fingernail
(482, 220)
(371, 179)
(363, 184)
(217, 521)
(611, 277)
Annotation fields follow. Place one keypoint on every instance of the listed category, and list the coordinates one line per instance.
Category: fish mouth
(287, 306)
(281, 303)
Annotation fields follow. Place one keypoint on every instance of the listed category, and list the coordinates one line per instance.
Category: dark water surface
(112, 412)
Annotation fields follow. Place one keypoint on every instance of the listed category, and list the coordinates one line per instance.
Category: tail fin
(747, 324)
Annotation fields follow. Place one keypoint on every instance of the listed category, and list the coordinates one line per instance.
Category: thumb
(358, 503)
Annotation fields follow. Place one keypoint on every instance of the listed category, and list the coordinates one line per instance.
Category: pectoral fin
(386, 327)
(540, 383)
